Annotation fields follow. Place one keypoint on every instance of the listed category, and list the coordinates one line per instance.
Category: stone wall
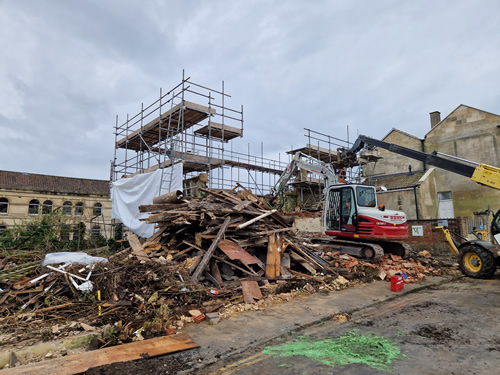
(19, 202)
(391, 162)
(473, 135)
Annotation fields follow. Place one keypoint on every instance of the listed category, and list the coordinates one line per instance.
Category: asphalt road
(447, 328)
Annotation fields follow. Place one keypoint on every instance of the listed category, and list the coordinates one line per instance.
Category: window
(79, 209)
(97, 209)
(444, 195)
(95, 231)
(67, 208)
(366, 196)
(46, 207)
(2, 228)
(34, 207)
(4, 206)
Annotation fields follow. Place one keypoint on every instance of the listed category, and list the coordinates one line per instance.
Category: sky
(68, 68)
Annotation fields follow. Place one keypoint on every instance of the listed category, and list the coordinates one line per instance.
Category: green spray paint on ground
(374, 351)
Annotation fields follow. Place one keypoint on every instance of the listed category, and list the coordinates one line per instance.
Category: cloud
(71, 67)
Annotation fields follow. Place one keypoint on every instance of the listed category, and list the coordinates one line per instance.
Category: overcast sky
(67, 68)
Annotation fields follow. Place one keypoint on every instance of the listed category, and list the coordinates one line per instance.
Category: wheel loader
(477, 258)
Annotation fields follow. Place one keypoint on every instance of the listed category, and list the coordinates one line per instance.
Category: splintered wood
(225, 237)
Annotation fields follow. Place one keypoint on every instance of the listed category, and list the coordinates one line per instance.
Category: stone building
(26, 196)
(425, 192)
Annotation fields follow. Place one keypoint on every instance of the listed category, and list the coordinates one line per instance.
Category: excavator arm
(308, 163)
(481, 173)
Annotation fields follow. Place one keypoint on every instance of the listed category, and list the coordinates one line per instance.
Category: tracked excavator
(351, 215)
(477, 258)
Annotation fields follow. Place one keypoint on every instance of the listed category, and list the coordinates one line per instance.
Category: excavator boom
(481, 173)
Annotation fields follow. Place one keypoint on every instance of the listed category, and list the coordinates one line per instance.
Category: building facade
(25, 197)
(425, 192)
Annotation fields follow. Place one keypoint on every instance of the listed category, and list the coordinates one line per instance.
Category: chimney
(435, 118)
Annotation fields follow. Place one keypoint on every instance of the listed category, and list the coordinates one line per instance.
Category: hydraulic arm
(481, 173)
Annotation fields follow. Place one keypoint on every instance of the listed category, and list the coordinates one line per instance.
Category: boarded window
(67, 208)
(4, 206)
(34, 207)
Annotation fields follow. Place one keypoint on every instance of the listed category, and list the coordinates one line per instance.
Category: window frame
(4, 202)
(31, 205)
(47, 207)
(65, 206)
(79, 207)
(97, 207)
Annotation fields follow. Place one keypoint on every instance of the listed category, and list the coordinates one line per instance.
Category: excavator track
(364, 250)
(370, 251)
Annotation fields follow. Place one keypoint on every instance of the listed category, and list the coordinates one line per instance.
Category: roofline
(50, 175)
(449, 114)
(402, 132)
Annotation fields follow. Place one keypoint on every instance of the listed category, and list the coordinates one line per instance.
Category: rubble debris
(209, 258)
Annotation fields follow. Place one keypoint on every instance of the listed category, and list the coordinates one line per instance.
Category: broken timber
(79, 363)
(210, 251)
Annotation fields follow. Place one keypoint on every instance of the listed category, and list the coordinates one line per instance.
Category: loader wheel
(474, 261)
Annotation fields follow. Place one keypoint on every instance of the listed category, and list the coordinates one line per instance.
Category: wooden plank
(303, 262)
(214, 268)
(78, 363)
(252, 273)
(267, 233)
(251, 291)
(137, 248)
(246, 224)
(273, 256)
(210, 251)
(160, 207)
(233, 251)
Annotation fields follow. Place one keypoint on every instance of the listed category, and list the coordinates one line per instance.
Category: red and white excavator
(351, 215)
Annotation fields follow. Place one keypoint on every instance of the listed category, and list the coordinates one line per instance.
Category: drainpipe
(422, 142)
(416, 201)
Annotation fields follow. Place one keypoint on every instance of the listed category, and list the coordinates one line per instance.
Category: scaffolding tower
(309, 186)
(193, 125)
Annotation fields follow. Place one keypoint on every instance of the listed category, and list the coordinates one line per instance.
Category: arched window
(67, 208)
(79, 209)
(34, 207)
(47, 207)
(95, 231)
(97, 209)
(4, 206)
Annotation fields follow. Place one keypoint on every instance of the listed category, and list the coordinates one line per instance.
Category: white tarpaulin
(127, 194)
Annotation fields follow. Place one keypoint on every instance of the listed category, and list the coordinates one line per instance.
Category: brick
(199, 318)
(170, 331)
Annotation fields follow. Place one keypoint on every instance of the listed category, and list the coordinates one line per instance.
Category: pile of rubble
(208, 258)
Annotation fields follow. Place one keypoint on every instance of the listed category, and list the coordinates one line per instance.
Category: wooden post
(273, 256)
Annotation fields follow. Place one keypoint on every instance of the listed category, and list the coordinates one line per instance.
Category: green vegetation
(53, 232)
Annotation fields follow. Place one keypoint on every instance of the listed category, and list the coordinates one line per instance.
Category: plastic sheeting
(127, 194)
(68, 257)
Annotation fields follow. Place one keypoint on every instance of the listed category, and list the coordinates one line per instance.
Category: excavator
(476, 258)
(351, 215)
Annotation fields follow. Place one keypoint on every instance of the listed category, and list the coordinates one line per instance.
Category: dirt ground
(451, 328)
